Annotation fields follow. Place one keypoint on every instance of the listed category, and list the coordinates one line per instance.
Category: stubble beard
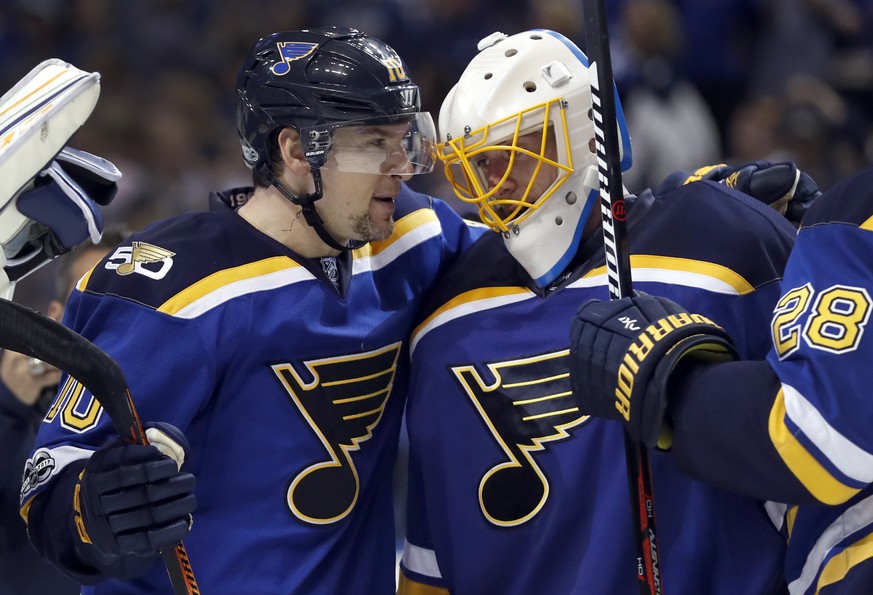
(367, 230)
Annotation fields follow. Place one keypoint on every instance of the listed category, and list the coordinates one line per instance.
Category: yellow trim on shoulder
(471, 296)
(815, 478)
(407, 586)
(225, 277)
(839, 566)
(83, 282)
(402, 226)
(686, 265)
(868, 224)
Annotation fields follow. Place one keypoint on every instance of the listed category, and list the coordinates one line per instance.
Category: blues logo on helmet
(319, 80)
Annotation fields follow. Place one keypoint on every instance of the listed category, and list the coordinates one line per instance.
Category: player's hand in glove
(623, 353)
(134, 499)
(781, 185)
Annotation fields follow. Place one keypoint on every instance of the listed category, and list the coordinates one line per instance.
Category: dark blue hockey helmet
(316, 80)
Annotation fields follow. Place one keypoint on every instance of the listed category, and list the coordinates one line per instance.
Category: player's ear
(292, 152)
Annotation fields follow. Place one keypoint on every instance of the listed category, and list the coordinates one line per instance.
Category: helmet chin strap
(306, 202)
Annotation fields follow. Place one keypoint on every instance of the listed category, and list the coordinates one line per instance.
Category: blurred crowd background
(701, 81)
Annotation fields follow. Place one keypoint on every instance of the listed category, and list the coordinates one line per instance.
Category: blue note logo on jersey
(527, 404)
(342, 399)
(290, 51)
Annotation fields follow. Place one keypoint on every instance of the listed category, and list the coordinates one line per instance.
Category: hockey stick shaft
(31, 333)
(615, 242)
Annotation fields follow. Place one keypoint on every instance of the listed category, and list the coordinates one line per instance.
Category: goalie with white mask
(513, 489)
(517, 141)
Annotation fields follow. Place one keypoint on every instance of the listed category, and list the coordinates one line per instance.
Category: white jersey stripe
(857, 517)
(420, 560)
(464, 310)
(400, 246)
(846, 456)
(671, 276)
(227, 292)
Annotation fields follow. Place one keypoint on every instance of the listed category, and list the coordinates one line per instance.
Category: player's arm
(782, 186)
(110, 514)
(95, 508)
(721, 419)
(671, 378)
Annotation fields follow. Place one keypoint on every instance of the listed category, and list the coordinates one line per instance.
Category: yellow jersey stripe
(25, 509)
(868, 224)
(407, 586)
(684, 271)
(819, 568)
(402, 226)
(83, 282)
(411, 231)
(790, 517)
(820, 483)
(221, 279)
(851, 460)
(839, 566)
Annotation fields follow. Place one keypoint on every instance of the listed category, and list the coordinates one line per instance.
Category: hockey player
(794, 427)
(512, 489)
(270, 334)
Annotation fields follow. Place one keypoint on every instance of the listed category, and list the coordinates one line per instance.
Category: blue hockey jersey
(511, 490)
(820, 419)
(290, 391)
(808, 439)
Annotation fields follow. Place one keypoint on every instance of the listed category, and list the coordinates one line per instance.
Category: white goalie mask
(516, 140)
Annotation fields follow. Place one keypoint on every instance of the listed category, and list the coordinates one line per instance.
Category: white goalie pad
(37, 117)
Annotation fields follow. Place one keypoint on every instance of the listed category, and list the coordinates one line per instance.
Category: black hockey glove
(132, 499)
(622, 353)
(781, 185)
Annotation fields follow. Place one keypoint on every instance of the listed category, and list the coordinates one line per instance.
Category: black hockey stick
(618, 271)
(31, 333)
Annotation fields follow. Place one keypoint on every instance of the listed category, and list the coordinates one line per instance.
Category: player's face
(523, 173)
(360, 206)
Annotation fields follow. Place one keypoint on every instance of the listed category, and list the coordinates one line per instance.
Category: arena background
(702, 81)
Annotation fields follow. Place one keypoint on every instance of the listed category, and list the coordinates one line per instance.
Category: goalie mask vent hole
(530, 87)
(488, 75)
(571, 198)
(510, 53)
(536, 36)
(559, 220)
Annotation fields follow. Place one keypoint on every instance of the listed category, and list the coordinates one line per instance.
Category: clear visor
(403, 148)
